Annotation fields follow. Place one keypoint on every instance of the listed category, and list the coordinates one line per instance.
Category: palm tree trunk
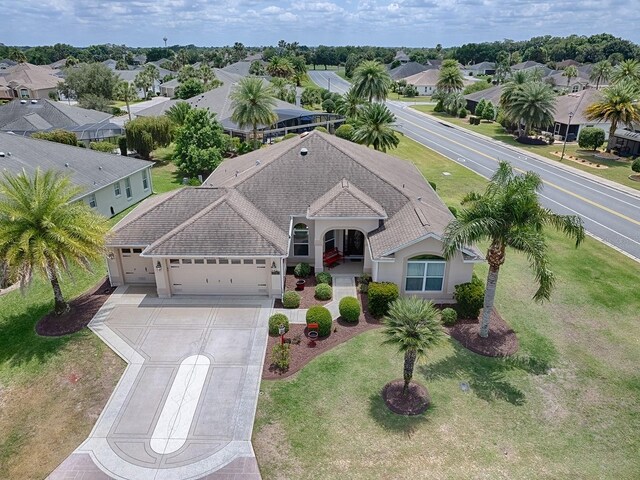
(126, 99)
(409, 363)
(60, 305)
(495, 257)
(255, 136)
(612, 131)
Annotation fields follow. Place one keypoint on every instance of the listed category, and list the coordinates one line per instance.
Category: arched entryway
(344, 250)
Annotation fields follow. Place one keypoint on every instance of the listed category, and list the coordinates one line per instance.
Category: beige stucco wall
(106, 197)
(114, 265)
(456, 271)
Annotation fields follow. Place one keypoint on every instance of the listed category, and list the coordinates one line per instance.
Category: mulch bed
(415, 402)
(80, 314)
(302, 353)
(307, 296)
(501, 342)
(635, 177)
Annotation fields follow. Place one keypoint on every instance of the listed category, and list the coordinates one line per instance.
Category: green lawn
(617, 171)
(567, 407)
(402, 98)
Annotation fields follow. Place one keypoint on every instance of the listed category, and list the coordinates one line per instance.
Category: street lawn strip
(617, 171)
(565, 406)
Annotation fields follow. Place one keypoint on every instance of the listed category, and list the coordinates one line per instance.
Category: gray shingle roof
(406, 70)
(345, 200)
(491, 94)
(55, 114)
(88, 169)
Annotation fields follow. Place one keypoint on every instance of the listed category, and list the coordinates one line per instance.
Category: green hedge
(323, 291)
(324, 277)
(380, 295)
(291, 300)
(449, 316)
(275, 321)
(349, 309)
(302, 270)
(321, 316)
(470, 298)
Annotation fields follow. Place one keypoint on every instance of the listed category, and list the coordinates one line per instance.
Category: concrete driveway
(185, 406)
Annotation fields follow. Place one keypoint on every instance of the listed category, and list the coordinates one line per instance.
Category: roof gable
(347, 201)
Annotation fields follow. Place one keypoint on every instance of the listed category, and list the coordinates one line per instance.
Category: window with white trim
(127, 188)
(425, 273)
(92, 201)
(145, 180)
(301, 240)
(116, 189)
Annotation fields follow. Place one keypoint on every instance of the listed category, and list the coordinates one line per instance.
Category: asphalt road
(610, 214)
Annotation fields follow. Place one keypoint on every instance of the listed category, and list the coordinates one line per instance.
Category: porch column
(162, 278)
(318, 246)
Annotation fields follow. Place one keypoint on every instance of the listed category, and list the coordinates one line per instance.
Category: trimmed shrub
(324, 277)
(59, 136)
(439, 108)
(321, 316)
(470, 298)
(291, 300)
(453, 210)
(433, 185)
(275, 321)
(345, 131)
(322, 129)
(449, 316)
(380, 295)
(591, 138)
(302, 270)
(105, 147)
(488, 112)
(463, 112)
(289, 135)
(323, 291)
(122, 145)
(281, 356)
(480, 107)
(349, 309)
(363, 282)
(635, 166)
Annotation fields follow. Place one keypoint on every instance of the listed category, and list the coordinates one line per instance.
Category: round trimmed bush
(323, 277)
(345, 131)
(635, 166)
(470, 298)
(349, 309)
(275, 321)
(449, 316)
(291, 300)
(302, 270)
(321, 316)
(323, 291)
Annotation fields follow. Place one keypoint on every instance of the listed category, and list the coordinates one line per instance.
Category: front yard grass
(617, 171)
(566, 407)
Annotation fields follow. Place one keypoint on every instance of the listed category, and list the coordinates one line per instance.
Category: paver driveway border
(233, 453)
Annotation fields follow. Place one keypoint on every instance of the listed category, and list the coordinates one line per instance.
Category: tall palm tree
(450, 79)
(373, 127)
(619, 104)
(533, 105)
(178, 113)
(413, 325)
(515, 83)
(43, 229)
(349, 104)
(280, 67)
(509, 214)
(454, 103)
(125, 92)
(253, 103)
(570, 72)
(17, 56)
(601, 72)
(371, 81)
(628, 71)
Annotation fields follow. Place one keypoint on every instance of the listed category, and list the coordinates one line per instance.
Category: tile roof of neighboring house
(576, 103)
(407, 69)
(525, 65)
(558, 79)
(6, 63)
(481, 66)
(491, 94)
(239, 68)
(45, 114)
(245, 206)
(566, 63)
(429, 78)
(402, 56)
(33, 77)
(345, 200)
(88, 169)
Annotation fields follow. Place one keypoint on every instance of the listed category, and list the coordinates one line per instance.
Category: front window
(92, 201)
(145, 180)
(301, 240)
(24, 93)
(425, 273)
(116, 189)
(127, 188)
(329, 240)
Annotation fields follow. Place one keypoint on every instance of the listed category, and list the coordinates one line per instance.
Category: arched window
(329, 240)
(425, 273)
(300, 240)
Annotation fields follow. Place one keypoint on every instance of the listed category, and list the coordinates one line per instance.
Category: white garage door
(218, 276)
(136, 268)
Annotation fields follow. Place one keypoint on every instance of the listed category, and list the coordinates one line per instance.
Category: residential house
(401, 57)
(491, 94)
(168, 89)
(626, 141)
(425, 82)
(567, 63)
(482, 68)
(570, 114)
(530, 65)
(6, 63)
(260, 214)
(28, 81)
(25, 117)
(406, 70)
(109, 183)
(559, 82)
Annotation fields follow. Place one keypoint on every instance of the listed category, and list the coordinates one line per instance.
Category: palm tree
(570, 72)
(628, 70)
(533, 105)
(454, 103)
(373, 127)
(619, 104)
(450, 79)
(413, 325)
(349, 104)
(280, 67)
(509, 214)
(600, 73)
(253, 103)
(42, 228)
(515, 83)
(125, 92)
(371, 81)
(178, 113)
(17, 56)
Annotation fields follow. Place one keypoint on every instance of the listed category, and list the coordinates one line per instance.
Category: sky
(410, 23)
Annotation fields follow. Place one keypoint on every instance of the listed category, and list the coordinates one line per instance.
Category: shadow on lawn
(394, 422)
(487, 377)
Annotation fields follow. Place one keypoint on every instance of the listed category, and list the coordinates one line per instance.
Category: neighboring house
(140, 59)
(559, 82)
(25, 117)
(626, 141)
(129, 76)
(425, 82)
(291, 118)
(567, 63)
(241, 68)
(531, 65)
(6, 63)
(28, 81)
(401, 57)
(482, 68)
(406, 70)
(110, 183)
(570, 108)
(266, 211)
(491, 94)
(168, 89)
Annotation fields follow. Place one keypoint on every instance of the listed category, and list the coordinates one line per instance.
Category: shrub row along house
(109, 183)
(293, 202)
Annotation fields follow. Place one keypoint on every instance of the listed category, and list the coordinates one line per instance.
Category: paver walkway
(185, 406)
(343, 286)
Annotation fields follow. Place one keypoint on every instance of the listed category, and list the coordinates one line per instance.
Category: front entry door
(353, 243)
